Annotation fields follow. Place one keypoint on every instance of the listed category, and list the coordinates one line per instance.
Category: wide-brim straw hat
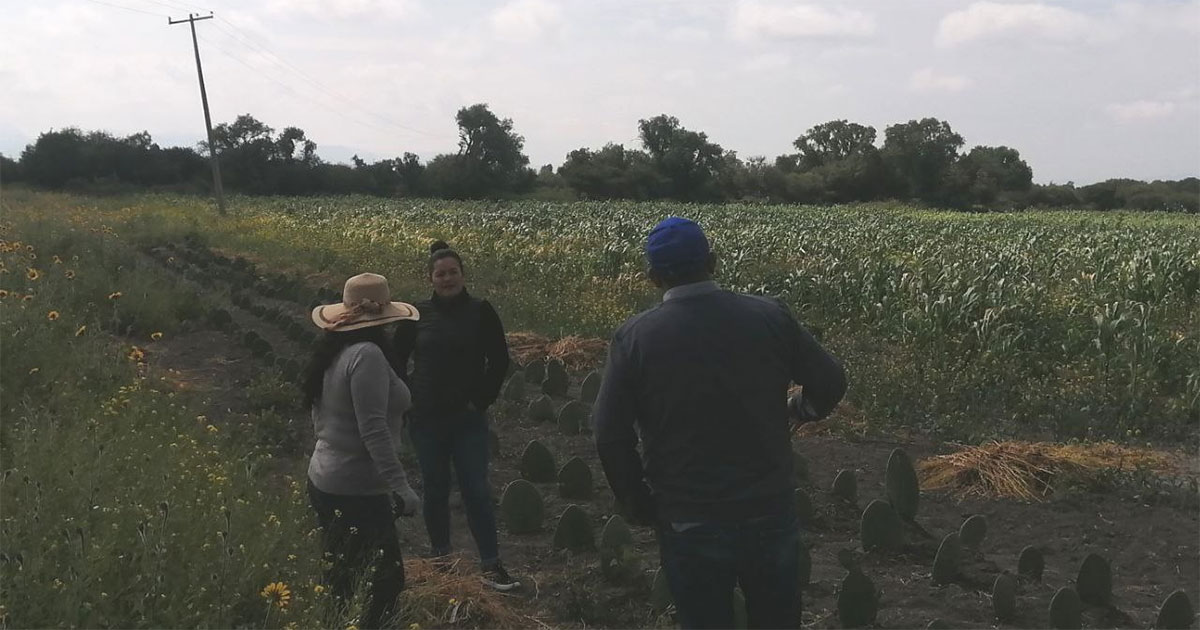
(366, 301)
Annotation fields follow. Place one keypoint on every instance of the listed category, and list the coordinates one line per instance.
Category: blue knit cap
(676, 245)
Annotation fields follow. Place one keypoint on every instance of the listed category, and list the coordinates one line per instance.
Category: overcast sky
(1085, 90)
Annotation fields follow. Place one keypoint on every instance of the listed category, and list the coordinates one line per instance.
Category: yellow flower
(52, 315)
(27, 298)
(277, 593)
(211, 428)
(82, 329)
(115, 295)
(155, 336)
(136, 354)
(70, 274)
(32, 274)
(3, 294)
(318, 589)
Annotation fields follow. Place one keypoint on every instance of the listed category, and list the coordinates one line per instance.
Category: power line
(245, 40)
(118, 6)
(293, 91)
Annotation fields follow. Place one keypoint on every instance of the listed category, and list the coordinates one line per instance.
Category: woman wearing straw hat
(460, 358)
(355, 480)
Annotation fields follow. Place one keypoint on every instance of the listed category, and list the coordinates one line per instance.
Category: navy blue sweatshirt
(459, 355)
(703, 379)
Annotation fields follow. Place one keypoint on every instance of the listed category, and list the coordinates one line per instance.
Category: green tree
(834, 141)
(612, 172)
(987, 174)
(686, 159)
(490, 156)
(918, 155)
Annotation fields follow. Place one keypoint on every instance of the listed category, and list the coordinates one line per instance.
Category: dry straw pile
(576, 353)
(452, 596)
(1031, 470)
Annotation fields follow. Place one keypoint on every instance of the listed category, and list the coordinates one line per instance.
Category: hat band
(364, 306)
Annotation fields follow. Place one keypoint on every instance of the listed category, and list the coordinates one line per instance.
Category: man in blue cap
(702, 378)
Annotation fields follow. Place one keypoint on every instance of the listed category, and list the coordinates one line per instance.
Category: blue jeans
(460, 439)
(705, 561)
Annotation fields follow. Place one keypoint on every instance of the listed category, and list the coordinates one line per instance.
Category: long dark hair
(439, 250)
(327, 349)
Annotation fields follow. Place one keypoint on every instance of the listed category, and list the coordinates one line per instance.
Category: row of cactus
(551, 379)
(572, 418)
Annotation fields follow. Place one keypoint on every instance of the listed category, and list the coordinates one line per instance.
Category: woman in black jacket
(460, 359)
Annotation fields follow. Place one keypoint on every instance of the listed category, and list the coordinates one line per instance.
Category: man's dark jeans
(462, 440)
(705, 561)
(354, 529)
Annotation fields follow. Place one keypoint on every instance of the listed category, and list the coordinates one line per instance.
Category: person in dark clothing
(702, 378)
(460, 358)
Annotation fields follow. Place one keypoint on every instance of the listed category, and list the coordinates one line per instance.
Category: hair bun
(438, 246)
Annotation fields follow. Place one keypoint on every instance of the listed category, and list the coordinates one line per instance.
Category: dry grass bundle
(527, 346)
(1030, 470)
(577, 353)
(455, 597)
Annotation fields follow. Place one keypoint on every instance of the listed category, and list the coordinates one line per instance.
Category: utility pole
(212, 147)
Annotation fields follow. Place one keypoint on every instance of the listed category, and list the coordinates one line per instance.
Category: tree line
(834, 162)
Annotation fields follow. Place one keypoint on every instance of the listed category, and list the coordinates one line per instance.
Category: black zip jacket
(458, 352)
(702, 379)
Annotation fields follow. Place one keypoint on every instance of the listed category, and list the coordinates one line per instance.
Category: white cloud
(391, 9)
(687, 35)
(770, 62)
(1137, 111)
(755, 19)
(983, 20)
(523, 20)
(928, 80)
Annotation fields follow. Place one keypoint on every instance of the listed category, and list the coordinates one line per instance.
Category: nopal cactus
(590, 389)
(1176, 612)
(1031, 564)
(845, 486)
(973, 531)
(945, 564)
(618, 558)
(1004, 597)
(880, 527)
(574, 530)
(1066, 611)
(1094, 583)
(901, 486)
(522, 508)
(572, 417)
(514, 389)
(535, 372)
(557, 381)
(537, 463)
(575, 480)
(857, 601)
(660, 593)
(541, 409)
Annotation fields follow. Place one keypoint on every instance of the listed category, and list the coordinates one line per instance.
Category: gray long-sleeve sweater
(358, 422)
